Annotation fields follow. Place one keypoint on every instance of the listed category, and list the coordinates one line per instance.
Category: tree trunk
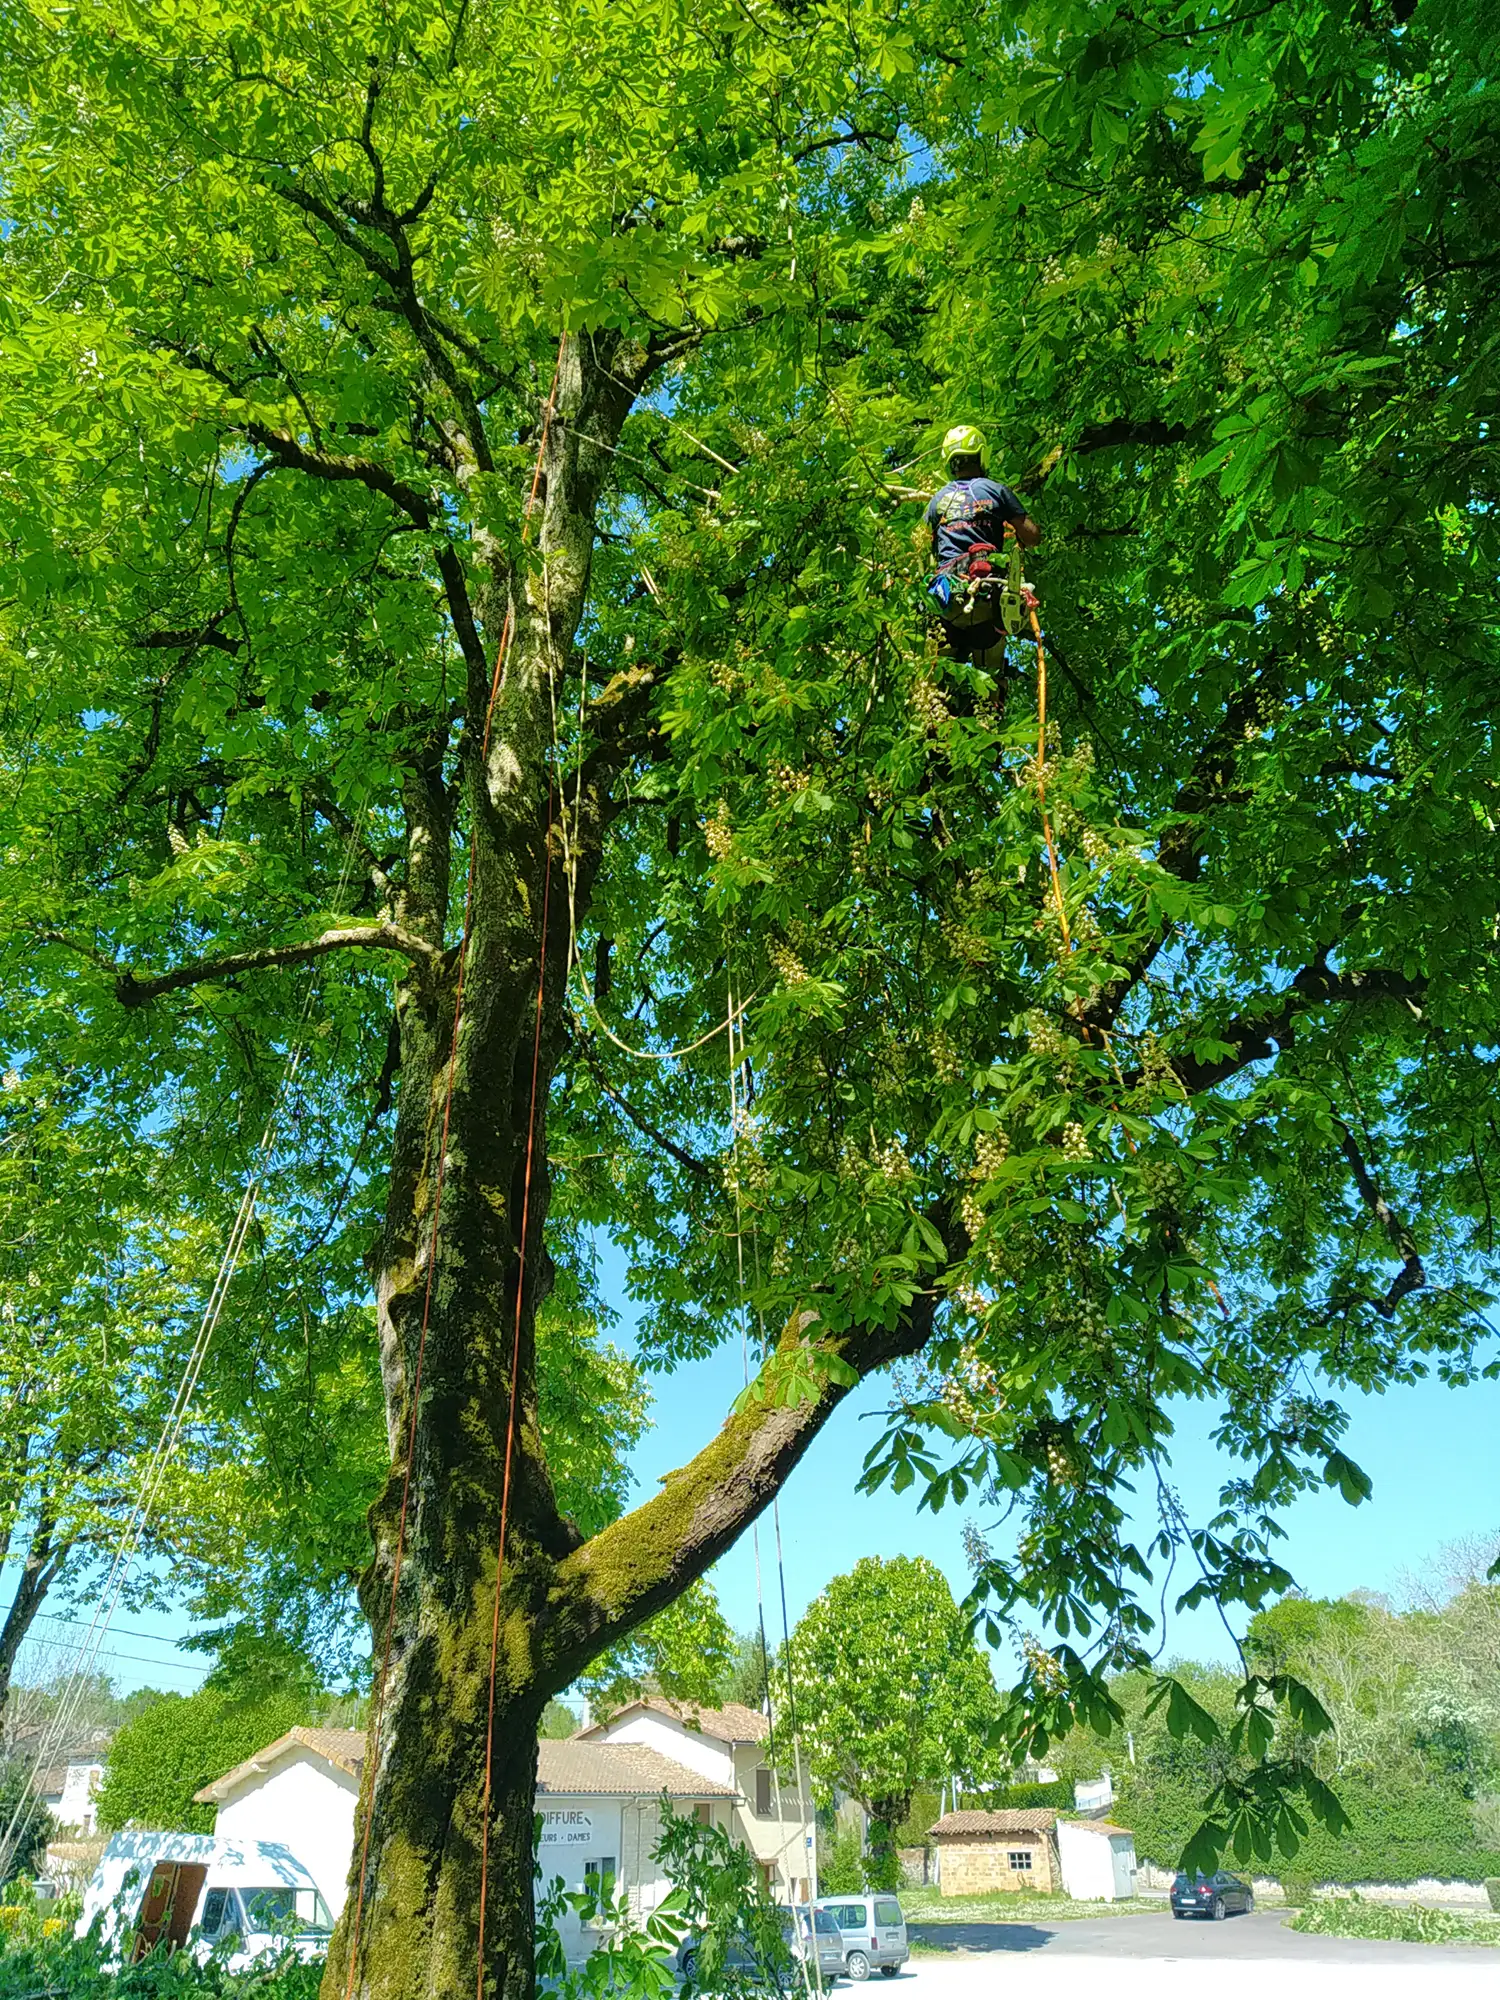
(459, 1337)
(40, 1569)
(412, 1923)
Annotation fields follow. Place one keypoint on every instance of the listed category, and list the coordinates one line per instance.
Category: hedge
(1397, 1836)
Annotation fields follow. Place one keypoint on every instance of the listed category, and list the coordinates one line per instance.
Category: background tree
(1197, 1115)
(167, 1754)
(34, 1825)
(686, 1652)
(891, 1692)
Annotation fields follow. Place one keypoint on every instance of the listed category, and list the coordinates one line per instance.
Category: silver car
(873, 1932)
(740, 1955)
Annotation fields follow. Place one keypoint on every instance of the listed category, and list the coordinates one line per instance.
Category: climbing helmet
(963, 441)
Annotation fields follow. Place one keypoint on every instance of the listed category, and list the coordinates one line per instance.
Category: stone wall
(979, 1864)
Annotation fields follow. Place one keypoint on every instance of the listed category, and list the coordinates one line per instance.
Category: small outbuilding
(1032, 1847)
(1012, 1848)
(1097, 1858)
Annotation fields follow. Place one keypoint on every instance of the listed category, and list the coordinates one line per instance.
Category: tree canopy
(889, 1692)
(1206, 1116)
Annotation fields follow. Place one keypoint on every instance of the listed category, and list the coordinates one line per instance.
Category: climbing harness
(970, 590)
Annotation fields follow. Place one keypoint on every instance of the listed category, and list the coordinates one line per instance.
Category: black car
(1211, 1895)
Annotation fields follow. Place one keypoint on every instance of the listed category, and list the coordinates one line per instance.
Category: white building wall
(780, 1837)
(76, 1806)
(304, 1801)
(1097, 1866)
(1122, 1853)
(706, 1755)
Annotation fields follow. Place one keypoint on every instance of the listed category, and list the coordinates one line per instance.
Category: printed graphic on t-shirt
(967, 512)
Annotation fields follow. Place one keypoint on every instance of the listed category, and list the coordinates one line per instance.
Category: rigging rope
(377, 1705)
(515, 1362)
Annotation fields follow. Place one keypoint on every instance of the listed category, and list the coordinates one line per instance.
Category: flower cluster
(718, 832)
(991, 1151)
(1044, 1666)
(789, 968)
(1075, 1143)
(929, 706)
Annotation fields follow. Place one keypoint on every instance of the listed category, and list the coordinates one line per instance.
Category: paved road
(1262, 1935)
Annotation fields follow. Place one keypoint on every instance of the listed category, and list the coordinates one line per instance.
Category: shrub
(1409, 1923)
(841, 1864)
(179, 1745)
(63, 1965)
(1058, 1794)
(1399, 1833)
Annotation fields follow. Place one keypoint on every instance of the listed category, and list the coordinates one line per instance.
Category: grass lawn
(926, 1906)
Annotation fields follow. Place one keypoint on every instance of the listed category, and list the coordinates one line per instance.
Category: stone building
(1013, 1848)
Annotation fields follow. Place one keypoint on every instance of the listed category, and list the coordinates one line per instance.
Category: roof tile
(607, 1770)
(1009, 1819)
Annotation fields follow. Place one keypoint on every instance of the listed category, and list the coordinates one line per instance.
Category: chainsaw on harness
(973, 592)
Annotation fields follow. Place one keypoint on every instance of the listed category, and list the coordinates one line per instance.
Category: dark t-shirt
(968, 511)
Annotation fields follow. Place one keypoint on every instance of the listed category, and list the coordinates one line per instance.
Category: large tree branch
(1253, 1037)
(638, 1119)
(289, 451)
(643, 1561)
(1179, 849)
(133, 989)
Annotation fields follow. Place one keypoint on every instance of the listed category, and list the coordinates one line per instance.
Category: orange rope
(1041, 774)
(510, 1427)
(376, 1716)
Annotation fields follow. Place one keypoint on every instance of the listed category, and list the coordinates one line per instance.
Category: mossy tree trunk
(412, 1923)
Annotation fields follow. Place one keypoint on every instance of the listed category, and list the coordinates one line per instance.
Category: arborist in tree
(975, 582)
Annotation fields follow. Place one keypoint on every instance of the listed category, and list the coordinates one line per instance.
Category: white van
(250, 1900)
(873, 1928)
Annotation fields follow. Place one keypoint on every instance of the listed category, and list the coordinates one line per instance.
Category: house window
(1020, 1860)
(703, 1813)
(764, 1803)
(599, 1874)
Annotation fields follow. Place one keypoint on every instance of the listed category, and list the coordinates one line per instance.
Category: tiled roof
(1103, 1826)
(733, 1723)
(618, 1770)
(343, 1748)
(1010, 1819)
(607, 1770)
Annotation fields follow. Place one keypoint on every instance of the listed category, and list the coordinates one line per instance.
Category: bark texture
(412, 1924)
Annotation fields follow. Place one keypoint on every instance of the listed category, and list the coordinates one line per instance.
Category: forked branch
(1412, 1275)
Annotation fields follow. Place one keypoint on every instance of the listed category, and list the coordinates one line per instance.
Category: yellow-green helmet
(963, 441)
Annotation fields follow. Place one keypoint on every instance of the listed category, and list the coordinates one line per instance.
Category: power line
(125, 1632)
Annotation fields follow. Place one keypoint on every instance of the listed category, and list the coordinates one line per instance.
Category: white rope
(65, 1713)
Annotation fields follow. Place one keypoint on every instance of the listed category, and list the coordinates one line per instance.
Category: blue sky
(1432, 1452)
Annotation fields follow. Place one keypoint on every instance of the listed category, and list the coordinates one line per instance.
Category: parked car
(249, 1900)
(740, 1954)
(873, 1931)
(1211, 1895)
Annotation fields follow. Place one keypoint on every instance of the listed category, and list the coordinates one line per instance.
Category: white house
(731, 1746)
(599, 1804)
(69, 1792)
(1098, 1860)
